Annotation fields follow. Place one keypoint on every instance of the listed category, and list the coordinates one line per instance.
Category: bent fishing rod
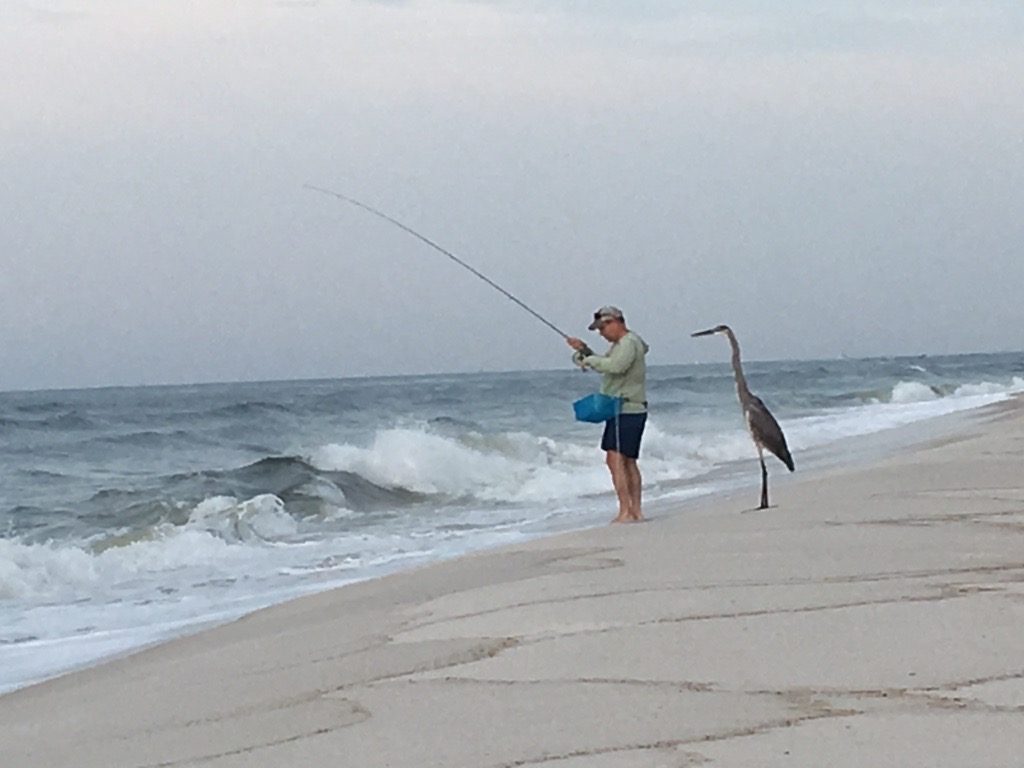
(449, 254)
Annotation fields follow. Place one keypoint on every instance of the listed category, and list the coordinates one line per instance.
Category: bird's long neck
(737, 369)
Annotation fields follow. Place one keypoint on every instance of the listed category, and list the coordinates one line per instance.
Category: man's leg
(634, 484)
(620, 481)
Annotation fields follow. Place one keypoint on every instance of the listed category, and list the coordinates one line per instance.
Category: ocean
(132, 515)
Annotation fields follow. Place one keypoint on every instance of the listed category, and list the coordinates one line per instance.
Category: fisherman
(623, 375)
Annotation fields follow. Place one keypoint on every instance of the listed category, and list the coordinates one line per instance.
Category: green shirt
(624, 371)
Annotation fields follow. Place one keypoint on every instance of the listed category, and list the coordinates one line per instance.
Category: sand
(874, 617)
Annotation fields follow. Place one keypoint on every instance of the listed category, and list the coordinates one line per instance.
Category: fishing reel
(580, 354)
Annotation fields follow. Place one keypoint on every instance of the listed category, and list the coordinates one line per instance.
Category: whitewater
(132, 515)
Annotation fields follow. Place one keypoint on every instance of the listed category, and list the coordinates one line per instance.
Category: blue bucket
(596, 408)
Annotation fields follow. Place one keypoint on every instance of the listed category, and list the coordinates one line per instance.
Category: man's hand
(579, 345)
(582, 350)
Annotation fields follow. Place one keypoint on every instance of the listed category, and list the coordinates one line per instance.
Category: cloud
(16, 13)
(193, 70)
(155, 155)
(759, 26)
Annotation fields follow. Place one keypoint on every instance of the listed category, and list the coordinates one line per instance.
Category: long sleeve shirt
(623, 371)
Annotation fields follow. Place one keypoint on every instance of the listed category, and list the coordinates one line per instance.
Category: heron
(764, 429)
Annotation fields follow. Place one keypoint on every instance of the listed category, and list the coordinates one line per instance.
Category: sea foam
(189, 534)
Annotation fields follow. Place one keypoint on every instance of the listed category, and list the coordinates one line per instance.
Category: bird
(764, 429)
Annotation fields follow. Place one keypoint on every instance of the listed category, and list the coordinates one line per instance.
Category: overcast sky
(828, 178)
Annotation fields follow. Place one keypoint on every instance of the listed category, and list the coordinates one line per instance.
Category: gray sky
(840, 178)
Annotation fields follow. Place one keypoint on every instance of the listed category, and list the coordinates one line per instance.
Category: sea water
(131, 515)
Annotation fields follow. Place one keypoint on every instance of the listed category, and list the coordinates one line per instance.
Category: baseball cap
(607, 312)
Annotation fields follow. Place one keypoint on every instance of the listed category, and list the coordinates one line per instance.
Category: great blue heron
(764, 429)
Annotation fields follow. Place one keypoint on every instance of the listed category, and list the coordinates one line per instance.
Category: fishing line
(436, 247)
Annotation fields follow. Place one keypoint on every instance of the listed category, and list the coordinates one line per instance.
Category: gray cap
(607, 312)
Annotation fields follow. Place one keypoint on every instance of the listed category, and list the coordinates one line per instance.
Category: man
(624, 375)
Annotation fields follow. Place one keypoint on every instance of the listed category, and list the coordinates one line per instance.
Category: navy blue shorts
(623, 434)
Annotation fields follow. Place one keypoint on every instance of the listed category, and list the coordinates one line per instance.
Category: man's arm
(616, 361)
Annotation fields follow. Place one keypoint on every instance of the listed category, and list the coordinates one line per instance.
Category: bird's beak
(708, 332)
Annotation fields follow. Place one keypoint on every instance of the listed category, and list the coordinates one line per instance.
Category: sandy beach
(873, 617)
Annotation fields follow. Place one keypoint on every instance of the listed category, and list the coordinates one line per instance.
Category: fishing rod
(436, 247)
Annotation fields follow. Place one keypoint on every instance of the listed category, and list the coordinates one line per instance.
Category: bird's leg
(764, 484)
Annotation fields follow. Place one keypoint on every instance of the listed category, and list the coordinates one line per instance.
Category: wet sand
(873, 617)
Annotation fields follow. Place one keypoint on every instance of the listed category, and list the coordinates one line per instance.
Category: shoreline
(722, 483)
(550, 622)
(260, 496)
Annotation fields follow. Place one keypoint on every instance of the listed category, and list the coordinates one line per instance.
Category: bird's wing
(767, 431)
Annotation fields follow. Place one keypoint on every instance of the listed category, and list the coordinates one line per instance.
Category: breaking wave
(213, 507)
(914, 392)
